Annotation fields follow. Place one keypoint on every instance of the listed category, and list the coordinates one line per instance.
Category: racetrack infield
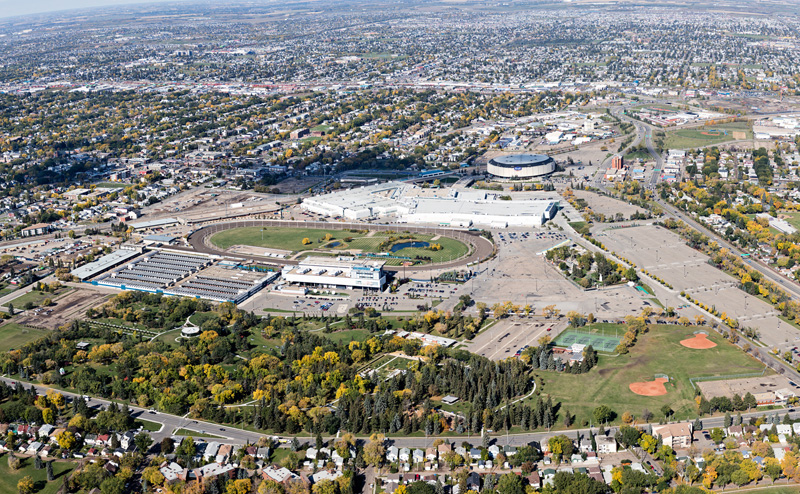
(481, 248)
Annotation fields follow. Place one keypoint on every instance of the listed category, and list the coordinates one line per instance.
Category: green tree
(142, 441)
(740, 477)
(112, 485)
(324, 486)
(603, 414)
(510, 483)
(717, 435)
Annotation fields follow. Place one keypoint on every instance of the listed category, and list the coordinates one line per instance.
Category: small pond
(406, 245)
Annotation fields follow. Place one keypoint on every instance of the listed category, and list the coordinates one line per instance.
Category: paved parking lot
(508, 336)
(666, 255)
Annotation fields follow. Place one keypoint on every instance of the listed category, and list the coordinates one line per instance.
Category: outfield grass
(291, 239)
(41, 485)
(692, 138)
(658, 351)
(13, 336)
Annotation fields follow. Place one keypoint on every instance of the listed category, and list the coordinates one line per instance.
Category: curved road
(482, 248)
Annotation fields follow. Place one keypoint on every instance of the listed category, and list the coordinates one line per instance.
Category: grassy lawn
(187, 432)
(198, 318)
(148, 425)
(41, 485)
(278, 454)
(291, 239)
(112, 185)
(6, 290)
(581, 227)
(271, 309)
(276, 238)
(706, 135)
(658, 351)
(640, 154)
(35, 298)
(13, 335)
(259, 341)
(348, 335)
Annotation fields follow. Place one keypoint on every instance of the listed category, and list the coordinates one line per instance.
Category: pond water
(333, 244)
(405, 245)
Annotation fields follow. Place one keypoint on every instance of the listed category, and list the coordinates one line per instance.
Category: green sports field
(706, 135)
(339, 241)
(658, 351)
(601, 339)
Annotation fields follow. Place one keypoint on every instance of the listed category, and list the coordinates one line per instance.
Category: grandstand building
(341, 272)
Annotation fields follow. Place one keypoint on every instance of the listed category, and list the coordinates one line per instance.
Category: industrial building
(458, 207)
(521, 166)
(109, 261)
(340, 272)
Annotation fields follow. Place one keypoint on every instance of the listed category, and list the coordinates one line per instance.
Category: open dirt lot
(65, 309)
(607, 206)
(296, 185)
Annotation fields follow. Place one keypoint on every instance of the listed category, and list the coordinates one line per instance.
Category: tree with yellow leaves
(66, 440)
(26, 485)
(709, 476)
(239, 486)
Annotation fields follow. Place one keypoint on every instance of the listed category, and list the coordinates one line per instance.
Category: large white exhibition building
(460, 207)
